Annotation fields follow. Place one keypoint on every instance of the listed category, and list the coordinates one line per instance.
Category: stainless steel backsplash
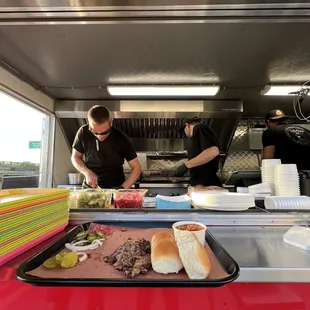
(239, 157)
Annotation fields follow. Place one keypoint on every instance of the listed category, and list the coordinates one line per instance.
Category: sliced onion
(97, 242)
(80, 242)
(76, 248)
(84, 256)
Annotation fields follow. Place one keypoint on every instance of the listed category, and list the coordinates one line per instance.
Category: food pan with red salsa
(129, 198)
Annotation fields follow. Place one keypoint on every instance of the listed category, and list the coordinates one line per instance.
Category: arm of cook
(135, 173)
(204, 157)
(78, 152)
(209, 146)
(130, 155)
(268, 140)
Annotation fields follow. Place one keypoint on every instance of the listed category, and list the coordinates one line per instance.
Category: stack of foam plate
(268, 171)
(286, 180)
(297, 203)
(28, 217)
(222, 201)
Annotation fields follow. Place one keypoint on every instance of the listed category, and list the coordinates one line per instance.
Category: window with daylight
(24, 135)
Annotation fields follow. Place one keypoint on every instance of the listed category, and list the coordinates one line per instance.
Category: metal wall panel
(79, 5)
(240, 157)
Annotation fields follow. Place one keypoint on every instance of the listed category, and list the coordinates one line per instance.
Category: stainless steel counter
(262, 255)
(211, 218)
(253, 239)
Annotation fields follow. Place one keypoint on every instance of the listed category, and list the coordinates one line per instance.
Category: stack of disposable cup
(268, 172)
(286, 180)
(298, 203)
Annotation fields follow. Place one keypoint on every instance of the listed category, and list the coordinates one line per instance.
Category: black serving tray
(227, 262)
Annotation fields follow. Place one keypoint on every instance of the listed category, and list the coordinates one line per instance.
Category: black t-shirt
(107, 163)
(292, 144)
(203, 138)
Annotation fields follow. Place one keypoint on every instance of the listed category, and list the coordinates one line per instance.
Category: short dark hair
(98, 114)
(191, 120)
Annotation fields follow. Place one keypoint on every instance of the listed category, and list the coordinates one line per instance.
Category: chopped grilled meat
(132, 257)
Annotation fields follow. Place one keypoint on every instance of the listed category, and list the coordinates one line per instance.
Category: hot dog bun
(193, 255)
(164, 254)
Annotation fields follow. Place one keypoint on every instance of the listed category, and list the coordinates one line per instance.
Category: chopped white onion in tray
(84, 256)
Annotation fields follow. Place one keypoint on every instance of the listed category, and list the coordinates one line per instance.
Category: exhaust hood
(153, 125)
(163, 106)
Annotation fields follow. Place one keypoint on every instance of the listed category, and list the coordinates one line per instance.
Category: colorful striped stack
(28, 217)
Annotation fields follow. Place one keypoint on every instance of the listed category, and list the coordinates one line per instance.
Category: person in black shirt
(203, 154)
(104, 149)
(288, 142)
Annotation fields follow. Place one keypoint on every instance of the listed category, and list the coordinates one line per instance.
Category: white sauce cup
(200, 234)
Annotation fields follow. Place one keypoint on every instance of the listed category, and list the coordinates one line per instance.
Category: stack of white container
(260, 190)
(286, 180)
(268, 172)
(283, 179)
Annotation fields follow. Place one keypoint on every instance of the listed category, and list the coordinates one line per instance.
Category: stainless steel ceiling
(75, 47)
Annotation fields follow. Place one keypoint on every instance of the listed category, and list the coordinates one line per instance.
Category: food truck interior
(154, 64)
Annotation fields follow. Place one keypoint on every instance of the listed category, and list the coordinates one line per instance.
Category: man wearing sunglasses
(99, 151)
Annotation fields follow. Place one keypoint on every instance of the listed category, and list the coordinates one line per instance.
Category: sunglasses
(103, 133)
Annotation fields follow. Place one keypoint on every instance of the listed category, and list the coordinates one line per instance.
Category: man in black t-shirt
(104, 149)
(290, 143)
(203, 154)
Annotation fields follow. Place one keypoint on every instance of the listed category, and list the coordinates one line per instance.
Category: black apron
(106, 161)
(103, 184)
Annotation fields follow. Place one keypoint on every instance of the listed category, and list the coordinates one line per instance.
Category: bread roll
(164, 254)
(193, 255)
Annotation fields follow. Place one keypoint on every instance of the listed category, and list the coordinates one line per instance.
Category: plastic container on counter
(129, 198)
(175, 202)
(90, 198)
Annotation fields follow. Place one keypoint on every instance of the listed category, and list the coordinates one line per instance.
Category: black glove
(181, 170)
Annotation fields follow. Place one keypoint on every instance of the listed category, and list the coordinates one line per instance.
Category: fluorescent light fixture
(161, 106)
(177, 91)
(284, 90)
